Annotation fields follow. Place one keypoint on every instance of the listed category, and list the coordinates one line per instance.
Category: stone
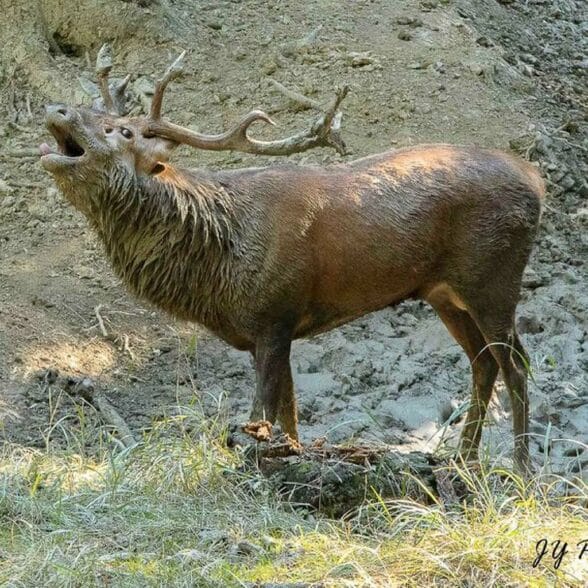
(411, 21)
(528, 323)
(8, 202)
(485, 42)
(362, 59)
(5, 188)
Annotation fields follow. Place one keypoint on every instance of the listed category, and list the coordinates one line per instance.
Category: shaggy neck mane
(172, 238)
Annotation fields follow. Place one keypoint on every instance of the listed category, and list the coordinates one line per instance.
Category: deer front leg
(274, 396)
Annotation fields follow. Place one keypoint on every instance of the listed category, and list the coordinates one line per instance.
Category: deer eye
(126, 133)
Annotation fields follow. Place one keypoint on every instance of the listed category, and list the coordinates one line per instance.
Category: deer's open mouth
(67, 146)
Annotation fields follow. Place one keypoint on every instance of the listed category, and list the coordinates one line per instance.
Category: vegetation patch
(181, 510)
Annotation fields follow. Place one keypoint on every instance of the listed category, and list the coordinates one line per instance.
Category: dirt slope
(499, 74)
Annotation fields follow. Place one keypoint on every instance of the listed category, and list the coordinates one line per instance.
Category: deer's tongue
(45, 149)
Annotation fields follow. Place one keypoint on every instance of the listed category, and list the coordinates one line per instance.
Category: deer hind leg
(484, 367)
(275, 398)
(496, 321)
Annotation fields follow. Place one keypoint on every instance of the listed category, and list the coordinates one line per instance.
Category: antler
(172, 72)
(113, 96)
(324, 132)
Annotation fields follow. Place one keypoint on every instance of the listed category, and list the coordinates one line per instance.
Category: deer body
(320, 246)
(263, 256)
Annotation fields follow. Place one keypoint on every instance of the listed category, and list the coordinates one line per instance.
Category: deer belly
(341, 303)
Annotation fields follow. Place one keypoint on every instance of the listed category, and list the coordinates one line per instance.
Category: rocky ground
(505, 74)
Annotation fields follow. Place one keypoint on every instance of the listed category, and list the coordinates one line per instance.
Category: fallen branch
(21, 153)
(25, 184)
(100, 321)
(20, 128)
(127, 347)
(296, 97)
(108, 413)
(112, 418)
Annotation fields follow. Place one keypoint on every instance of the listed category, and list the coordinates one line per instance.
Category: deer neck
(173, 240)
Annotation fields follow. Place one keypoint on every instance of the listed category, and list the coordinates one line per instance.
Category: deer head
(99, 147)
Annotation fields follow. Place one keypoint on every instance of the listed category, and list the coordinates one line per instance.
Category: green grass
(177, 511)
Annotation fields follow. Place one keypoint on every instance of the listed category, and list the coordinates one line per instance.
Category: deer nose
(57, 110)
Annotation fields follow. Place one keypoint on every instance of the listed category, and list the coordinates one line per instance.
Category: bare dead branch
(25, 184)
(21, 153)
(294, 96)
(108, 413)
(127, 347)
(112, 418)
(100, 321)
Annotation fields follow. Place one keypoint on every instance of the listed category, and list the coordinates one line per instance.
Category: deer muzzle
(65, 125)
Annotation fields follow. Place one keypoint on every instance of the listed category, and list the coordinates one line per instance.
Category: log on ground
(335, 479)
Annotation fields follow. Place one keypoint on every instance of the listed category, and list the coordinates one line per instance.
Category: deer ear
(157, 169)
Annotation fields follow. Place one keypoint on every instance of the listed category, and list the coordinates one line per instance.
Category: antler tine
(329, 127)
(235, 138)
(103, 67)
(119, 97)
(113, 95)
(333, 108)
(241, 129)
(172, 72)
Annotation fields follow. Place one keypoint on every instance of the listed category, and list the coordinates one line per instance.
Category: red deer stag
(262, 256)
